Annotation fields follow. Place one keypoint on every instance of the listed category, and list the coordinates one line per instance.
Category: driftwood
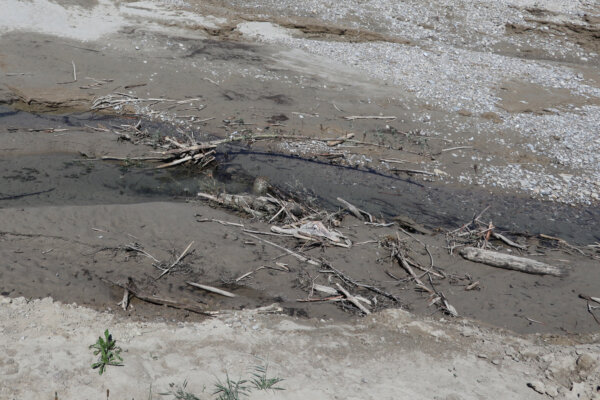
(212, 289)
(257, 206)
(507, 261)
(410, 224)
(357, 212)
(353, 299)
(132, 289)
(314, 230)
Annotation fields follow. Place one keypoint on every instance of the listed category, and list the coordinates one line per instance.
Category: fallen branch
(511, 262)
(134, 291)
(351, 281)
(357, 212)
(212, 289)
(353, 299)
(298, 256)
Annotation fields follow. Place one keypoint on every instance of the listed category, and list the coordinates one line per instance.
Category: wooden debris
(134, 291)
(257, 206)
(589, 298)
(350, 281)
(313, 299)
(212, 289)
(339, 140)
(412, 171)
(508, 241)
(472, 286)
(293, 253)
(353, 299)
(511, 262)
(355, 117)
(314, 230)
(124, 303)
(357, 212)
(167, 270)
(410, 224)
(324, 289)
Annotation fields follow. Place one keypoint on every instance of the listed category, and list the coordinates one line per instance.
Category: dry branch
(134, 291)
(353, 299)
(293, 253)
(212, 289)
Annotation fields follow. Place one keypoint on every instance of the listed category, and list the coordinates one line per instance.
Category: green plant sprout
(107, 351)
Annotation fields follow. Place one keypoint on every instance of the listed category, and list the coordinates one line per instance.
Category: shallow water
(63, 178)
(433, 205)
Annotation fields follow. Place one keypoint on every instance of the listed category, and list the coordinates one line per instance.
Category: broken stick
(212, 289)
(353, 299)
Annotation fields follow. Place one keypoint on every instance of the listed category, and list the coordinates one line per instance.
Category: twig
(392, 160)
(457, 148)
(352, 299)
(412, 171)
(212, 289)
(355, 117)
(135, 247)
(351, 281)
(226, 223)
(18, 196)
(298, 256)
(508, 241)
(167, 270)
(312, 300)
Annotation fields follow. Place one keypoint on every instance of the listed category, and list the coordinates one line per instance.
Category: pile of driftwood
(475, 242)
(177, 153)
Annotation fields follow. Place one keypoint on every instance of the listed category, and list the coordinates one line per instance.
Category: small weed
(107, 351)
(260, 380)
(231, 390)
(179, 392)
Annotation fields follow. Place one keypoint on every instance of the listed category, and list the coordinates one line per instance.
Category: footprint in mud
(23, 175)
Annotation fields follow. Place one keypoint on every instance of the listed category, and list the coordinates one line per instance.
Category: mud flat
(371, 185)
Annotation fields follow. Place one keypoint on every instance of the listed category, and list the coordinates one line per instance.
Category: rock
(261, 186)
(492, 116)
(537, 386)
(552, 391)
(585, 363)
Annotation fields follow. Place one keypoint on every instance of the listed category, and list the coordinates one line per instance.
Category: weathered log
(507, 261)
